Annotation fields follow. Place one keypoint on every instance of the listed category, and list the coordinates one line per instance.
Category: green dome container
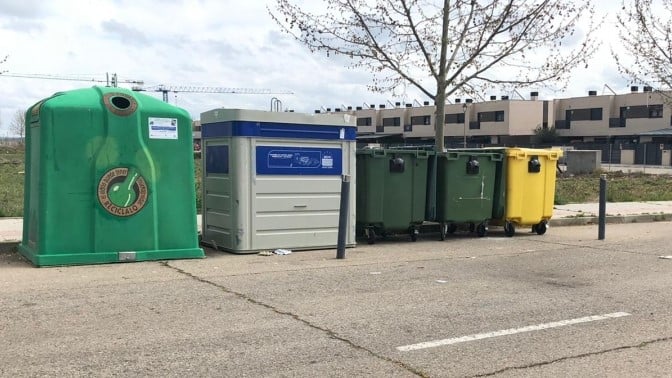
(109, 178)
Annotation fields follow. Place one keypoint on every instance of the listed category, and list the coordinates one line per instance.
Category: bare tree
(18, 125)
(464, 46)
(646, 35)
(3, 60)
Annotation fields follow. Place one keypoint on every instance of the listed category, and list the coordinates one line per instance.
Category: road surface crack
(296, 317)
(582, 355)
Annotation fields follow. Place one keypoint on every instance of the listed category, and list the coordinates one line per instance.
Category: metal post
(464, 126)
(343, 217)
(603, 207)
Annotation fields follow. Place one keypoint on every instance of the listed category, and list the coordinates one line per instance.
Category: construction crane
(110, 80)
(165, 89)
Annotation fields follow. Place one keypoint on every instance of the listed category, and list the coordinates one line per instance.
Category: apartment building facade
(634, 127)
(599, 117)
(497, 121)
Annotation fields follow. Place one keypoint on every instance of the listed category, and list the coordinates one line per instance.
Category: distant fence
(11, 141)
(644, 153)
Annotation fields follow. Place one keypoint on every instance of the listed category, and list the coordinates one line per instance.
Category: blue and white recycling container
(272, 180)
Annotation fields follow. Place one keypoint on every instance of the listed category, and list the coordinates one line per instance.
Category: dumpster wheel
(481, 230)
(540, 228)
(509, 229)
(443, 230)
(370, 235)
(414, 233)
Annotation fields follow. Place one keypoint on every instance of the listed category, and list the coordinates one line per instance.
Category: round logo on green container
(122, 191)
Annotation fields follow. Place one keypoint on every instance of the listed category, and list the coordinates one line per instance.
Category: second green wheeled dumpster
(391, 191)
(530, 188)
(109, 177)
(466, 189)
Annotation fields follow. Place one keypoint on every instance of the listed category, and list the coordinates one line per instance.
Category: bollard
(603, 207)
(343, 217)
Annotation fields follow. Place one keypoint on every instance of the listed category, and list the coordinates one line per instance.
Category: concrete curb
(586, 220)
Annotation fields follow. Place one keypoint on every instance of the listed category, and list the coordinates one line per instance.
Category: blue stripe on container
(276, 130)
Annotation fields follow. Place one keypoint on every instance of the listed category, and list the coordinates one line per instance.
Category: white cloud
(193, 42)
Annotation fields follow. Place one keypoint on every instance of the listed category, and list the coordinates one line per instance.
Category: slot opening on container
(120, 102)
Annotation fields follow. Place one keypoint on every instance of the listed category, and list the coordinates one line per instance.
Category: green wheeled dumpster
(465, 193)
(109, 178)
(391, 191)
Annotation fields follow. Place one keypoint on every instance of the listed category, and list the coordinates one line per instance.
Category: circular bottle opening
(120, 102)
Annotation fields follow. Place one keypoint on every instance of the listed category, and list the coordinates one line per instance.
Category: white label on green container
(162, 128)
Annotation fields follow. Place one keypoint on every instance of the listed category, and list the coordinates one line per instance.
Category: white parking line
(510, 331)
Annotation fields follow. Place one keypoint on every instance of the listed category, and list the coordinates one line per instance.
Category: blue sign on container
(273, 160)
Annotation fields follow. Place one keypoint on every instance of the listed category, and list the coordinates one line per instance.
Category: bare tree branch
(646, 37)
(444, 47)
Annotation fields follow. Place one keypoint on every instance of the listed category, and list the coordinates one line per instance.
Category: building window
(421, 120)
(561, 124)
(474, 125)
(496, 116)
(642, 111)
(455, 118)
(596, 114)
(587, 114)
(655, 111)
(392, 121)
(364, 121)
(616, 122)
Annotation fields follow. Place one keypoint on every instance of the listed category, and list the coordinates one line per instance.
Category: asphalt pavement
(560, 304)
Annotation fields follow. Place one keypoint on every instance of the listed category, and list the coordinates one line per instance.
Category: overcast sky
(215, 43)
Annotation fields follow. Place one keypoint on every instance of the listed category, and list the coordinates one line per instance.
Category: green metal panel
(465, 193)
(391, 188)
(109, 178)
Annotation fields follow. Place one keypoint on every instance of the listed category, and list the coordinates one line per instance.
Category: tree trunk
(440, 99)
(439, 116)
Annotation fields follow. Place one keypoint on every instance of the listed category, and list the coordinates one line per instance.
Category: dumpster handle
(379, 152)
(452, 156)
(422, 154)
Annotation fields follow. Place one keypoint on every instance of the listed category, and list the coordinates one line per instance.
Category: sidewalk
(616, 212)
(11, 229)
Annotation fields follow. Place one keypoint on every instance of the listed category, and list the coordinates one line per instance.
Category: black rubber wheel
(414, 234)
(443, 229)
(370, 236)
(481, 230)
(472, 227)
(541, 228)
(452, 228)
(509, 229)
